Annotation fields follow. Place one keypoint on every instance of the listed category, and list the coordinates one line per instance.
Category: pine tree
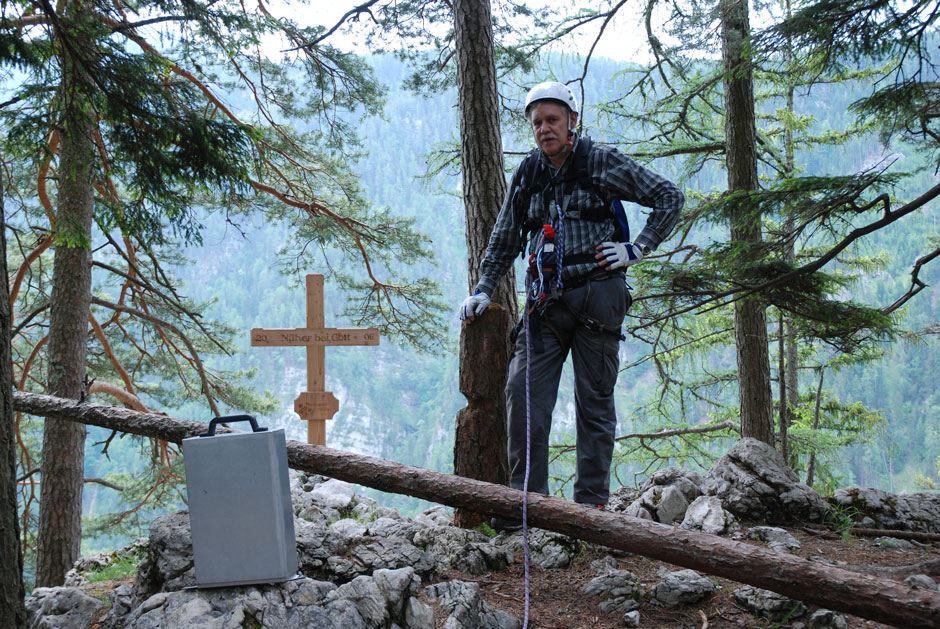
(137, 141)
(12, 591)
(480, 435)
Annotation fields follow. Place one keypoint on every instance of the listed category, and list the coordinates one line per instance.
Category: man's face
(550, 123)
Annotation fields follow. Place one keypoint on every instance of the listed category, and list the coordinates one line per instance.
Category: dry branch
(833, 588)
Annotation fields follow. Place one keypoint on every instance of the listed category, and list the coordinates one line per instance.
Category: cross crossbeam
(315, 405)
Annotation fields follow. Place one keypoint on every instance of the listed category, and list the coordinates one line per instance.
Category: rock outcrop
(754, 483)
(365, 565)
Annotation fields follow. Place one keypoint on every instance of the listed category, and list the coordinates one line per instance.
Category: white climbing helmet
(551, 90)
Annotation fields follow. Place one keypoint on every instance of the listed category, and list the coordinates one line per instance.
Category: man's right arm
(503, 244)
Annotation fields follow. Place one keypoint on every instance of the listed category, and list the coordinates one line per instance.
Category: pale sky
(623, 38)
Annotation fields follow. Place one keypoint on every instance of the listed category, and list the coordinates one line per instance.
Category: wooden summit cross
(315, 405)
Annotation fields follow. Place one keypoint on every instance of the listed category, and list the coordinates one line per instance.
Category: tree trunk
(480, 436)
(833, 588)
(12, 592)
(750, 319)
(63, 444)
(790, 389)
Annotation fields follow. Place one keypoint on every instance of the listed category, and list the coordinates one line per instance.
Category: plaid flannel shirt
(620, 176)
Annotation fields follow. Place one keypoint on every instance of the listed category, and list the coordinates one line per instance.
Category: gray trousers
(595, 358)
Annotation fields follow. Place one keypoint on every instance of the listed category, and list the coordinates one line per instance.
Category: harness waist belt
(597, 275)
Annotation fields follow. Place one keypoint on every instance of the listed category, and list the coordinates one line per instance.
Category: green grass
(120, 569)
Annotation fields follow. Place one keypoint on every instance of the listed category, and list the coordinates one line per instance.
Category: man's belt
(599, 274)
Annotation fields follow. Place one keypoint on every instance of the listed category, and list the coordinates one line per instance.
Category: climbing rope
(560, 244)
(528, 450)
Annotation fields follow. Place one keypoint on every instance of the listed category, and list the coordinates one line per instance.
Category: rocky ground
(557, 600)
(364, 565)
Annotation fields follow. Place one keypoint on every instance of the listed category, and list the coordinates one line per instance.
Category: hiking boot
(504, 524)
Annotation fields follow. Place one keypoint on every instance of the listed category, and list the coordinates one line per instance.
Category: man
(577, 296)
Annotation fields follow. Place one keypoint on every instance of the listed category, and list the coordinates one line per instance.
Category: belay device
(239, 505)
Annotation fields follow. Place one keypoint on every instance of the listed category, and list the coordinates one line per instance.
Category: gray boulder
(619, 588)
(664, 504)
(664, 497)
(879, 509)
(466, 609)
(768, 604)
(894, 543)
(435, 516)
(333, 493)
(776, 538)
(621, 498)
(706, 514)
(682, 587)
(922, 581)
(368, 554)
(383, 600)
(547, 549)
(826, 619)
(168, 562)
(61, 608)
(460, 549)
(689, 483)
(754, 483)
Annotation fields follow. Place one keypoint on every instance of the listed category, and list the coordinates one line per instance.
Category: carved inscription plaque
(316, 405)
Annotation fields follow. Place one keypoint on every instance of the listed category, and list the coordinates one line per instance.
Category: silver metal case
(240, 508)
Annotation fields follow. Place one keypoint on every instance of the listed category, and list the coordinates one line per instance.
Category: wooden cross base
(316, 405)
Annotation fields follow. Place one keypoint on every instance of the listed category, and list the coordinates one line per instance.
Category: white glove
(620, 255)
(473, 306)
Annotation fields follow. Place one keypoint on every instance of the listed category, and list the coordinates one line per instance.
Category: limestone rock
(768, 604)
(882, 510)
(619, 588)
(663, 504)
(367, 554)
(61, 608)
(922, 581)
(621, 498)
(335, 494)
(435, 516)
(547, 549)
(460, 549)
(465, 608)
(168, 562)
(754, 483)
(689, 483)
(682, 587)
(631, 619)
(776, 538)
(826, 619)
(706, 514)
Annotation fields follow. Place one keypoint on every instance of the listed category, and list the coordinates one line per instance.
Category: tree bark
(750, 318)
(480, 436)
(63, 444)
(860, 595)
(12, 591)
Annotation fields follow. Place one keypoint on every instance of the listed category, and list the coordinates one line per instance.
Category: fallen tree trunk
(860, 595)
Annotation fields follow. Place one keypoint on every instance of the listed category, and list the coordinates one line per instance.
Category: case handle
(232, 418)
